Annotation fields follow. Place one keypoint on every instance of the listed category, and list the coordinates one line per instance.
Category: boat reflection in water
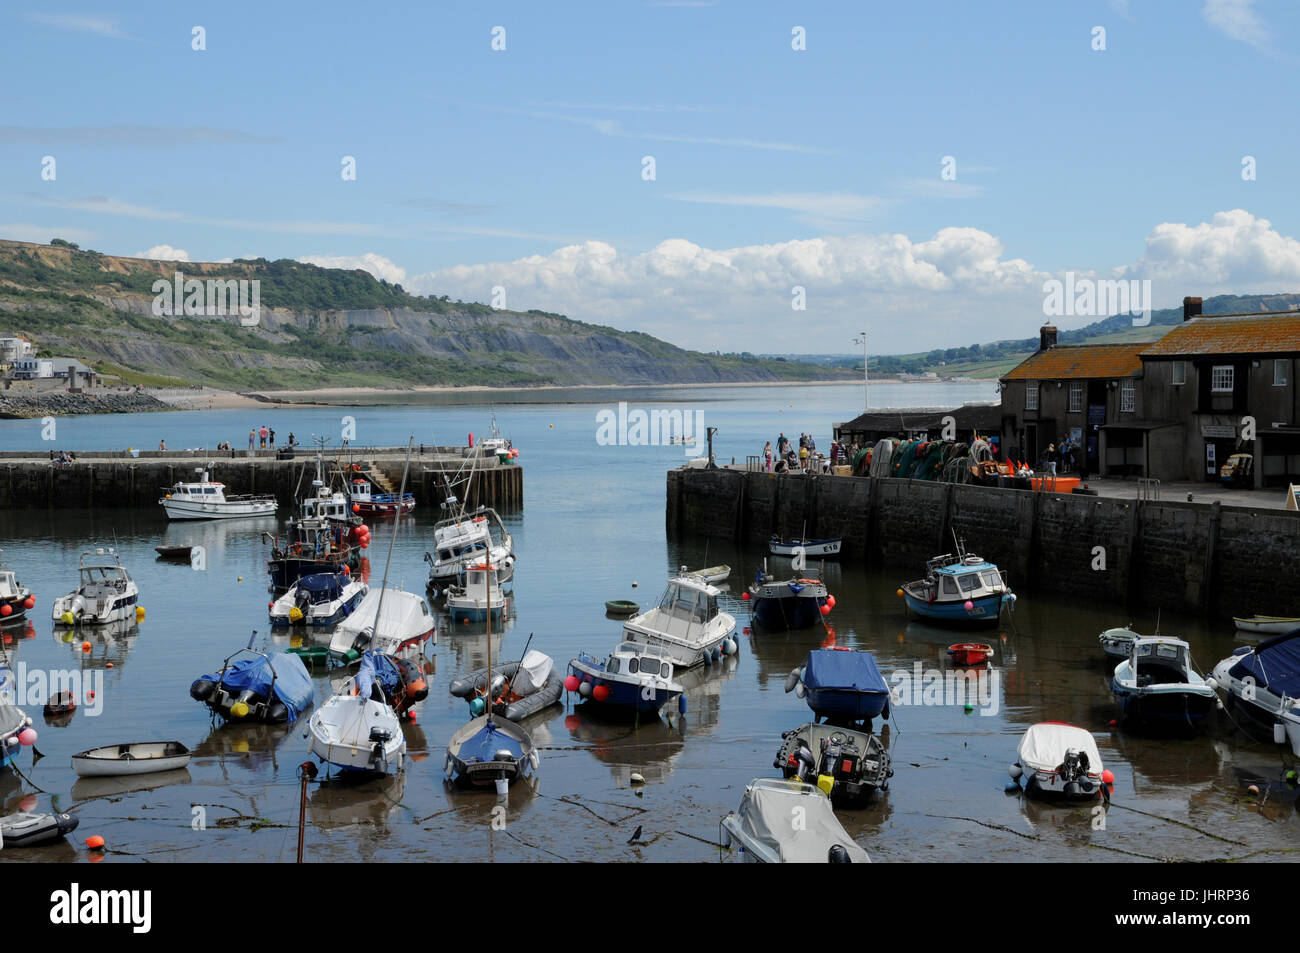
(93, 788)
(346, 802)
(109, 643)
(251, 747)
(649, 748)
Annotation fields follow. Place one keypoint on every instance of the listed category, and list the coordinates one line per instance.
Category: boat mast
(487, 575)
(383, 588)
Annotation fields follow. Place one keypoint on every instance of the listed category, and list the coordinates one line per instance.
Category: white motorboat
(810, 548)
(459, 541)
(357, 730)
(319, 599)
(763, 826)
(1058, 760)
(1117, 643)
(472, 600)
(404, 621)
(107, 593)
(207, 500)
(144, 757)
(686, 623)
(1157, 686)
(1262, 683)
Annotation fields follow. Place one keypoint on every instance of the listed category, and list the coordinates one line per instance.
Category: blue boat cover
(292, 682)
(843, 671)
(323, 586)
(485, 745)
(1274, 665)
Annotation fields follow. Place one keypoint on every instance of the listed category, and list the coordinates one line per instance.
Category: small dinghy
(178, 553)
(842, 685)
(815, 548)
(519, 689)
(847, 765)
(761, 826)
(1059, 760)
(970, 653)
(1117, 642)
(325, 598)
(1267, 624)
(357, 730)
(59, 710)
(1157, 687)
(256, 687)
(32, 830)
(635, 679)
(1262, 683)
(714, 574)
(795, 603)
(142, 757)
(490, 752)
(621, 608)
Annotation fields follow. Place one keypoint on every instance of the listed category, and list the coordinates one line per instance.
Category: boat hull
(1267, 625)
(129, 759)
(343, 609)
(812, 548)
(479, 755)
(841, 705)
(984, 611)
(341, 734)
(627, 695)
(789, 612)
(230, 509)
(1169, 709)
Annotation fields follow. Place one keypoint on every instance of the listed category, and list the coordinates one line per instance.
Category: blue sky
(774, 168)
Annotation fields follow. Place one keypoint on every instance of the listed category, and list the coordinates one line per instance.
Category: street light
(862, 339)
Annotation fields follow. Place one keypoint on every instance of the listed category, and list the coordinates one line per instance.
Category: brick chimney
(1191, 308)
(1046, 337)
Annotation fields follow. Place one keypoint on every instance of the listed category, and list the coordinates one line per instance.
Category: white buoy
(1016, 771)
(1279, 732)
(503, 787)
(636, 778)
(1212, 683)
(801, 690)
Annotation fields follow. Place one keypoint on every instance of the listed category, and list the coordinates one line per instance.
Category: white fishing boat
(143, 757)
(686, 623)
(106, 593)
(207, 500)
(479, 594)
(1267, 624)
(357, 730)
(811, 548)
(319, 599)
(1157, 686)
(405, 622)
(762, 826)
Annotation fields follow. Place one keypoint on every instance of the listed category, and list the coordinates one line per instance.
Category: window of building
(1280, 372)
(1031, 395)
(1076, 398)
(1128, 396)
(1180, 372)
(1221, 379)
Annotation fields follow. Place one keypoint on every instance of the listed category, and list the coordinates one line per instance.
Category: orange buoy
(95, 842)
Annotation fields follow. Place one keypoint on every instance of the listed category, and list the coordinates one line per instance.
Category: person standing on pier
(262, 433)
(767, 456)
(252, 436)
(271, 435)
(162, 444)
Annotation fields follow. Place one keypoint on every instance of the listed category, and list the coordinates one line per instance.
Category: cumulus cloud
(1234, 253)
(1238, 20)
(164, 253)
(377, 265)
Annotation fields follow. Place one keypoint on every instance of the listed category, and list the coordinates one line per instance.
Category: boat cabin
(1159, 661)
(964, 578)
(103, 569)
(323, 505)
(203, 491)
(634, 658)
(689, 599)
(9, 585)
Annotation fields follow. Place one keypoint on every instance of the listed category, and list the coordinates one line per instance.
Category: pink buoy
(571, 683)
(968, 605)
(27, 737)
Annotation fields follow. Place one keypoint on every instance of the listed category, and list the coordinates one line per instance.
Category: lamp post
(862, 339)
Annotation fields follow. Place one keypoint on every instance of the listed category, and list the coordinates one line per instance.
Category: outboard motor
(805, 764)
(838, 855)
(202, 688)
(303, 601)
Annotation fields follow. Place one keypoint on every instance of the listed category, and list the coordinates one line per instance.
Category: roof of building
(981, 417)
(1230, 334)
(1080, 362)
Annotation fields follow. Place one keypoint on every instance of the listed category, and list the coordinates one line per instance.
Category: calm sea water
(592, 529)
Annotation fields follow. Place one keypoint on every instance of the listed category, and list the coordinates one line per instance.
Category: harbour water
(592, 527)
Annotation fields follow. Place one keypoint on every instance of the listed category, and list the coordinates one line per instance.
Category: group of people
(786, 459)
(264, 434)
(1064, 459)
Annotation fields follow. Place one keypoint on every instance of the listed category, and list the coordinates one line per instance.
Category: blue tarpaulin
(292, 682)
(845, 671)
(1274, 665)
(323, 586)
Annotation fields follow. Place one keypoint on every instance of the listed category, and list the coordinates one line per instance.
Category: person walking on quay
(767, 456)
(1050, 457)
(252, 437)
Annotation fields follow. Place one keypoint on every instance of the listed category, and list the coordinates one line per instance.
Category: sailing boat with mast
(489, 750)
(357, 731)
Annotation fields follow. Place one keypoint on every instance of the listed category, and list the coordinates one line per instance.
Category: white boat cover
(12, 718)
(796, 821)
(1044, 745)
(533, 672)
(404, 615)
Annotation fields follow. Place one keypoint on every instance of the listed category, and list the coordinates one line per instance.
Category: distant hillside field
(327, 327)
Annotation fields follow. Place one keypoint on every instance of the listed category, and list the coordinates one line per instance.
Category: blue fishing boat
(841, 685)
(795, 603)
(635, 678)
(962, 589)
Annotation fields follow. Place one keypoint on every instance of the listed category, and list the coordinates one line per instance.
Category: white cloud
(164, 253)
(377, 265)
(103, 26)
(1238, 20)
